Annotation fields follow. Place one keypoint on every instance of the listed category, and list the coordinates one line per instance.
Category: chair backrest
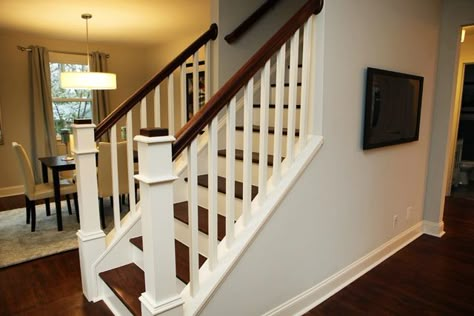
(104, 169)
(26, 170)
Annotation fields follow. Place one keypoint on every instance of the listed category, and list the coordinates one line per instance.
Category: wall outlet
(409, 213)
(395, 221)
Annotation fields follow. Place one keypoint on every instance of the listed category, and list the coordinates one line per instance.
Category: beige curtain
(43, 135)
(100, 98)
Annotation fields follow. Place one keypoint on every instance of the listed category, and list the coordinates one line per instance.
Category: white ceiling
(116, 21)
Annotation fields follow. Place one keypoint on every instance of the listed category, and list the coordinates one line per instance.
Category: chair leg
(28, 207)
(69, 209)
(33, 216)
(76, 206)
(101, 212)
(48, 208)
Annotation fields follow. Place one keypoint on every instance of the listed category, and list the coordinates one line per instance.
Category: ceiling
(143, 22)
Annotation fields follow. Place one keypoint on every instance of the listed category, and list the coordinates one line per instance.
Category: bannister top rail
(210, 110)
(250, 21)
(135, 98)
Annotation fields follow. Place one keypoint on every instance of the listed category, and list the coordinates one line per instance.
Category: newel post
(91, 238)
(156, 199)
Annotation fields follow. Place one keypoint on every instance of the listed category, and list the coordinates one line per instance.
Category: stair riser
(112, 301)
(256, 98)
(239, 142)
(271, 117)
(221, 197)
(239, 167)
(182, 234)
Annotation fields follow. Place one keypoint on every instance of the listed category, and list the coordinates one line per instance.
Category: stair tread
(239, 155)
(128, 283)
(272, 106)
(181, 213)
(221, 186)
(271, 129)
(182, 258)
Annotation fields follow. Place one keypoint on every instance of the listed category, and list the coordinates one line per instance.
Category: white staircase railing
(281, 142)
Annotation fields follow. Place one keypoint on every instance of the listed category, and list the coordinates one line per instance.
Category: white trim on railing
(157, 106)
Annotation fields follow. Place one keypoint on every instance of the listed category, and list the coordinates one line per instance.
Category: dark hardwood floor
(431, 276)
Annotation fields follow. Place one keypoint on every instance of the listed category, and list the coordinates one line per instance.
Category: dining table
(58, 164)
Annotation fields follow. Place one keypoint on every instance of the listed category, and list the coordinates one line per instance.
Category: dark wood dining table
(56, 164)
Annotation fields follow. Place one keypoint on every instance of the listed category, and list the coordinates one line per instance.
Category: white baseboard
(433, 228)
(312, 297)
(10, 191)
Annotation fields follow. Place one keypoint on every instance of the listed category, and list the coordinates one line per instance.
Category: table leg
(44, 171)
(57, 199)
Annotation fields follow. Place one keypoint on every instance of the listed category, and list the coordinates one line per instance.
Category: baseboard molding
(10, 191)
(433, 228)
(312, 297)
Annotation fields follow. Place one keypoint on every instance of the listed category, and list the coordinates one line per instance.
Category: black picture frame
(190, 93)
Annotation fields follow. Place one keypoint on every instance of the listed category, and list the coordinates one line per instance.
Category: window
(68, 104)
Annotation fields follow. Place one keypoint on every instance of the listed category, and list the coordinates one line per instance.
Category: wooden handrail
(222, 97)
(250, 21)
(135, 98)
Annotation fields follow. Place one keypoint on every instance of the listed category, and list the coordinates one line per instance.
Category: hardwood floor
(431, 276)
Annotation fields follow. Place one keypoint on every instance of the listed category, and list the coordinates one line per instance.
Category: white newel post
(91, 238)
(156, 198)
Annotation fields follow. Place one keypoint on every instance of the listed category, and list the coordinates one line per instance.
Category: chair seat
(46, 190)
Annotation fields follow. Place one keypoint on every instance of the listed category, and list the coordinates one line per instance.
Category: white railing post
(156, 199)
(91, 238)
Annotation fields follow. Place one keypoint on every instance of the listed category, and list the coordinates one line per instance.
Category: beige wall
(343, 205)
(129, 63)
(455, 13)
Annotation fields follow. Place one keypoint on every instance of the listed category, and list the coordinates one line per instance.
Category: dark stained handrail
(135, 98)
(250, 21)
(222, 97)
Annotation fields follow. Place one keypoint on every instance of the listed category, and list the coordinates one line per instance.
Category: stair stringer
(261, 212)
(119, 249)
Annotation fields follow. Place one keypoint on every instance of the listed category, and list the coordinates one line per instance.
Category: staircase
(228, 176)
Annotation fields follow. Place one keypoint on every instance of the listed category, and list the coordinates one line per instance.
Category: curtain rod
(26, 49)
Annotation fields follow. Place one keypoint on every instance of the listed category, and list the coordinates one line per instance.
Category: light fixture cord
(87, 44)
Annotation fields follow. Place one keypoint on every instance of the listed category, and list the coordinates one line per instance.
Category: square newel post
(91, 238)
(156, 199)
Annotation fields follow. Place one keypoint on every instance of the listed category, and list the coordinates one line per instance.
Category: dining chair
(104, 174)
(34, 192)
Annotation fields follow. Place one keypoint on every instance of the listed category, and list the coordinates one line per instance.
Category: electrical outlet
(395, 221)
(408, 214)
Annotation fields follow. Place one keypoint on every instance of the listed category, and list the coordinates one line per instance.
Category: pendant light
(88, 80)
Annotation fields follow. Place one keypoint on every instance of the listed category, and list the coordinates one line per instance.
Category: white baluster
(230, 174)
(248, 133)
(143, 114)
(90, 236)
(207, 73)
(130, 163)
(183, 94)
(115, 180)
(305, 80)
(195, 83)
(263, 149)
(212, 190)
(157, 106)
(280, 89)
(193, 218)
(295, 41)
(156, 188)
(171, 104)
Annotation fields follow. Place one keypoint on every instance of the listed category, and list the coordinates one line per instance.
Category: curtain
(43, 135)
(100, 98)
